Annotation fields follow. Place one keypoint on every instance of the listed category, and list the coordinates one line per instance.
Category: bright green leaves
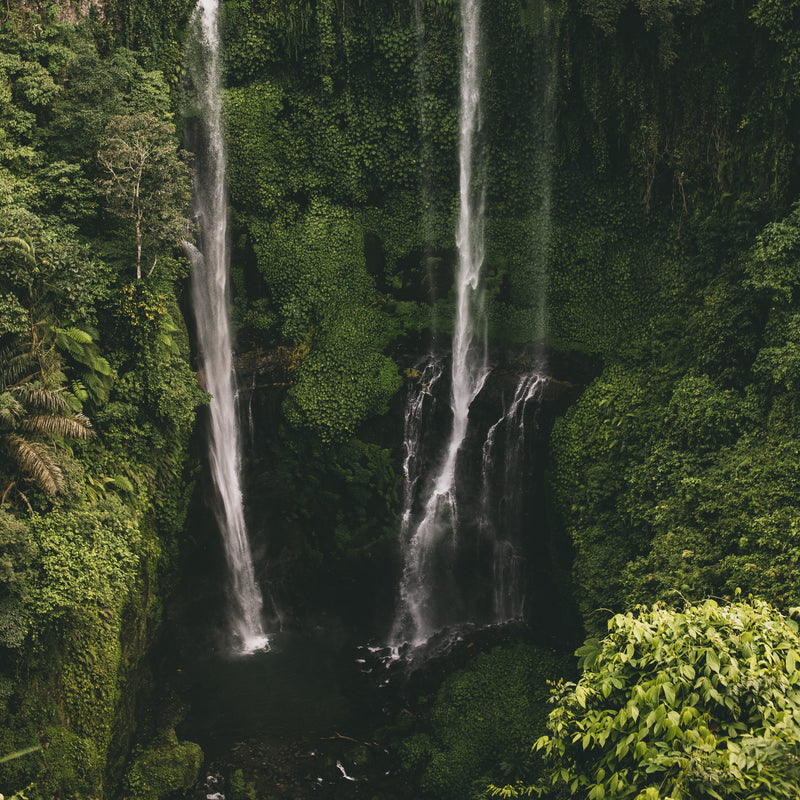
(679, 721)
(316, 273)
(87, 557)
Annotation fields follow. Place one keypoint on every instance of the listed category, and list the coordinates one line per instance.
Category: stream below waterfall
(286, 718)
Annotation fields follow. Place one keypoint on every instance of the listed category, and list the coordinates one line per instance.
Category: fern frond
(77, 395)
(123, 484)
(98, 388)
(73, 334)
(102, 366)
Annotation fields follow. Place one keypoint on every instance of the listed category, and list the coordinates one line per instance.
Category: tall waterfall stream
(210, 294)
(438, 514)
(281, 714)
(418, 618)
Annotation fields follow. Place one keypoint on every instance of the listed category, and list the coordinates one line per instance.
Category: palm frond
(11, 410)
(35, 460)
(39, 398)
(16, 366)
(75, 426)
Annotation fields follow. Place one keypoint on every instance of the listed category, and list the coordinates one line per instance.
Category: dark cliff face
(295, 514)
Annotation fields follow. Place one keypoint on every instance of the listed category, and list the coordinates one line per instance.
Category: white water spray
(417, 617)
(210, 294)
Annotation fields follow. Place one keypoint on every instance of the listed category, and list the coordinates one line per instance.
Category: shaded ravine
(211, 298)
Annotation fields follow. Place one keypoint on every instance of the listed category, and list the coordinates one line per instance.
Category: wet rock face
(501, 560)
(504, 494)
(301, 588)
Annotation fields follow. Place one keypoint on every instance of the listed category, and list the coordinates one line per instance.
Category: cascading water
(419, 615)
(210, 294)
(501, 498)
(418, 409)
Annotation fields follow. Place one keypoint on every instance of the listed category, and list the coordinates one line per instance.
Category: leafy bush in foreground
(680, 705)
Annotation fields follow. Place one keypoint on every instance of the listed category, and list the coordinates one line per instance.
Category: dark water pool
(298, 721)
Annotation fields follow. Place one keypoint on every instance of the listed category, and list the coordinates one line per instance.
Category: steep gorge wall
(628, 162)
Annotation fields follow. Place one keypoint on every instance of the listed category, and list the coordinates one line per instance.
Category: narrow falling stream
(502, 497)
(211, 297)
(418, 616)
(452, 522)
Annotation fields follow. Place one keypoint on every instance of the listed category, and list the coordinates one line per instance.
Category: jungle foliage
(691, 704)
(97, 402)
(481, 722)
(641, 175)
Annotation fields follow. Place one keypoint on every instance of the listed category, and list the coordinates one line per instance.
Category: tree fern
(35, 414)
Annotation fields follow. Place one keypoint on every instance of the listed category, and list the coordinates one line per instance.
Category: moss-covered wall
(98, 401)
(653, 152)
(631, 152)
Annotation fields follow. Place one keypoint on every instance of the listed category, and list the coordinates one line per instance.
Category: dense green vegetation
(97, 400)
(697, 703)
(481, 722)
(642, 171)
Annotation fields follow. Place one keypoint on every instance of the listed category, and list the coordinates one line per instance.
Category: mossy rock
(164, 768)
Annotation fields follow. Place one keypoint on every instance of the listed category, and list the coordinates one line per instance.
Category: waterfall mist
(210, 295)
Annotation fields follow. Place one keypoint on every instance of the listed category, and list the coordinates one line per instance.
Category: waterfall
(502, 498)
(426, 546)
(210, 295)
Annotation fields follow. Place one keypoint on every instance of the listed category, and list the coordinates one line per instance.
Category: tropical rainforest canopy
(640, 160)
